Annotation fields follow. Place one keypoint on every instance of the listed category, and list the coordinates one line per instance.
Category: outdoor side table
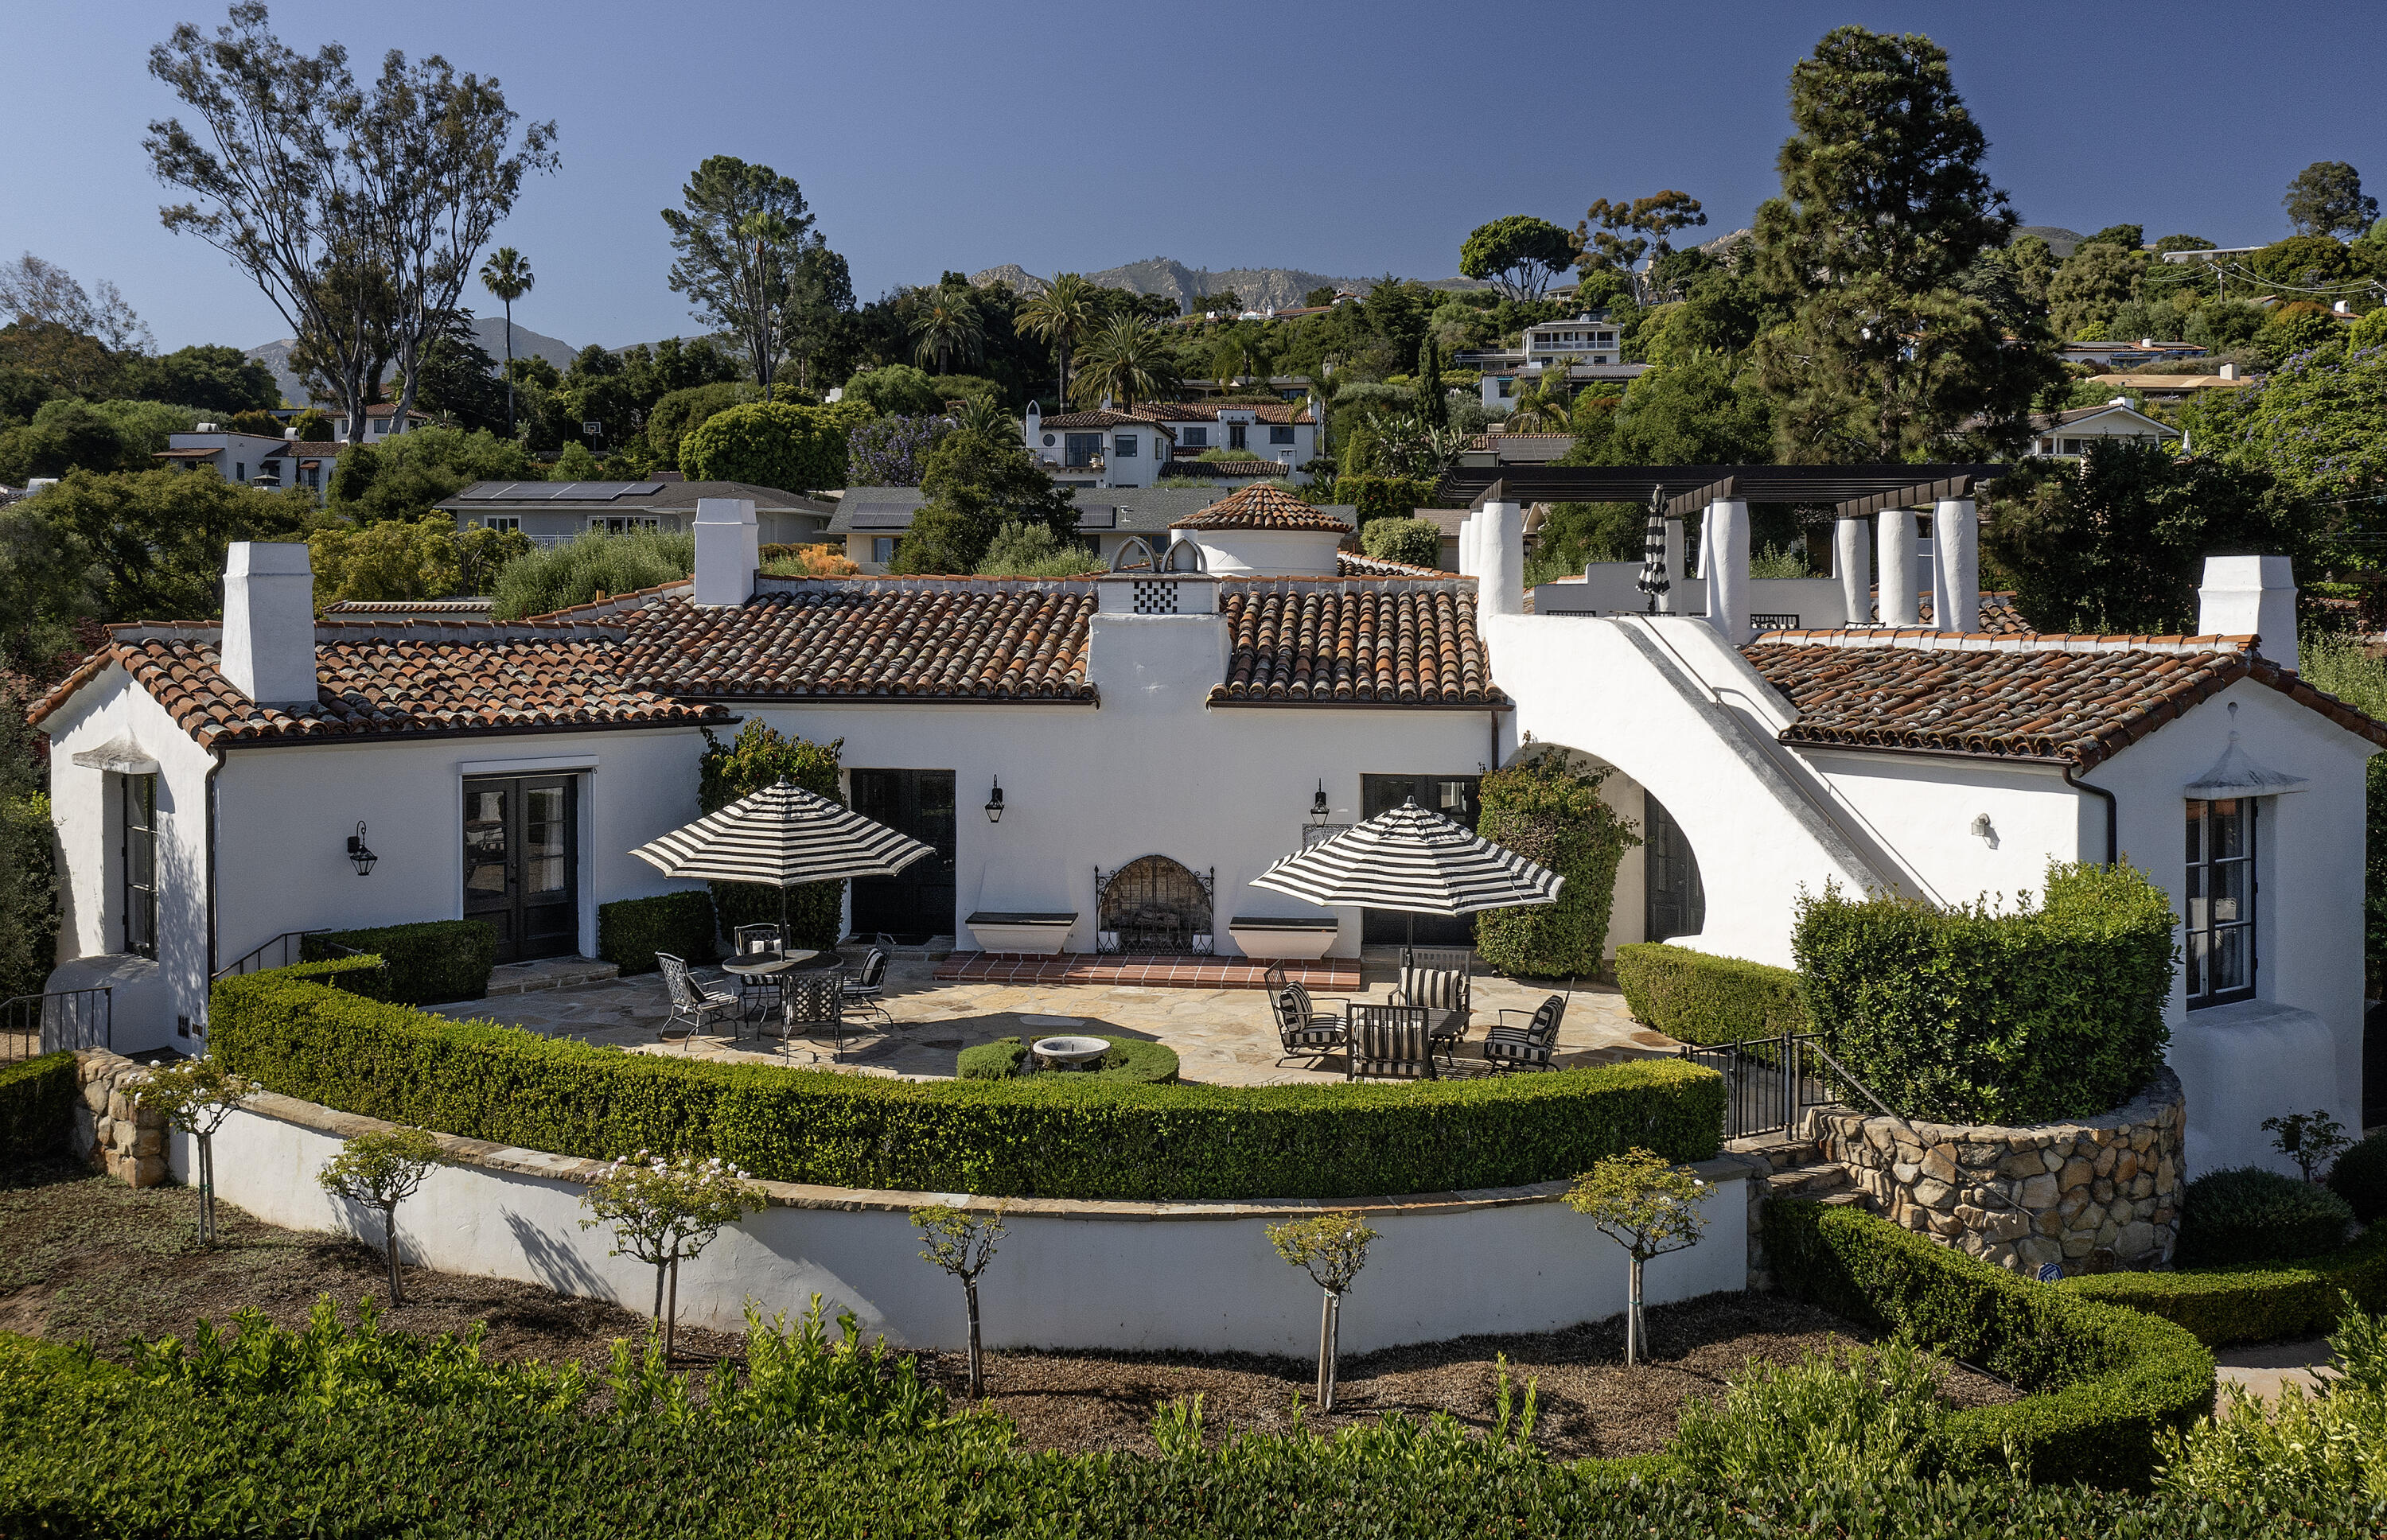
(758, 966)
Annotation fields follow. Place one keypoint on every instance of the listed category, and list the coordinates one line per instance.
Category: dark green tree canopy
(740, 233)
(2326, 198)
(2129, 238)
(1518, 254)
(977, 485)
(207, 375)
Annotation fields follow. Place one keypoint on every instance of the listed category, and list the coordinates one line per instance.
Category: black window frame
(2198, 923)
(1280, 435)
(1123, 446)
(138, 809)
(1079, 450)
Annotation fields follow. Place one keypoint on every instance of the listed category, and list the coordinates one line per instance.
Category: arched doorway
(1674, 900)
(1154, 904)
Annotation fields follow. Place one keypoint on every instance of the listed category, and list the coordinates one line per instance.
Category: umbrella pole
(785, 941)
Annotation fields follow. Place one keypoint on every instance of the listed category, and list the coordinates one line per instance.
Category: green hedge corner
(2263, 1302)
(630, 931)
(1135, 1060)
(1694, 997)
(430, 962)
(37, 1100)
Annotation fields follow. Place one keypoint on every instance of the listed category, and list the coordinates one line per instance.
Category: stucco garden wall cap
(793, 1194)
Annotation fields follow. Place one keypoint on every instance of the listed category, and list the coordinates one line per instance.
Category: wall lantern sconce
(1319, 811)
(994, 803)
(360, 853)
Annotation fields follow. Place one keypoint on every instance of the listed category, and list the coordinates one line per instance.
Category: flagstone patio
(1222, 1037)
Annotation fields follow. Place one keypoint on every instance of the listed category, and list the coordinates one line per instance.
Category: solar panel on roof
(882, 518)
(640, 489)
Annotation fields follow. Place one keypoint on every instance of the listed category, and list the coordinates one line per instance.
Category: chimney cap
(266, 559)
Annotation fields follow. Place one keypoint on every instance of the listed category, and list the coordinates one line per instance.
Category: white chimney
(2229, 371)
(2251, 595)
(1724, 563)
(268, 624)
(728, 548)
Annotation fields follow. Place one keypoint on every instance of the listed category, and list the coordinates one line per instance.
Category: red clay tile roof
(2077, 700)
(1387, 643)
(1998, 616)
(1262, 506)
(1352, 563)
(383, 679)
(1098, 420)
(878, 638)
(1189, 462)
(1279, 413)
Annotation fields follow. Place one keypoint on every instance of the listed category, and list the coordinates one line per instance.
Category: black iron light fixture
(994, 803)
(1319, 811)
(360, 853)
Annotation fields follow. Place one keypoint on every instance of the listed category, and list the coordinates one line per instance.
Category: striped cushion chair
(1390, 1042)
(1528, 1046)
(1302, 1030)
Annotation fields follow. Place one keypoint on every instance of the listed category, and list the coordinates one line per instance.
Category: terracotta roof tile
(1099, 420)
(1279, 413)
(892, 638)
(1388, 643)
(1998, 616)
(1189, 462)
(1352, 563)
(385, 680)
(2048, 697)
(1262, 506)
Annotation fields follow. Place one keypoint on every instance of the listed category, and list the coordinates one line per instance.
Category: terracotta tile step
(1324, 975)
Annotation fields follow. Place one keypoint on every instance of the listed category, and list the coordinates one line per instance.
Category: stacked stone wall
(2092, 1195)
(112, 1132)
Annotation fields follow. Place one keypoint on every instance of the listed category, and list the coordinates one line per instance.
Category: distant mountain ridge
(2059, 240)
(489, 330)
(1258, 288)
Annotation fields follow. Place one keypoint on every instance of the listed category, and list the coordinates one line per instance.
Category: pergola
(1684, 487)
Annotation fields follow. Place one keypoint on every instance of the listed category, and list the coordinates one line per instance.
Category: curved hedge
(1047, 1136)
(1695, 997)
(2101, 1381)
(37, 1100)
(2262, 1303)
(1137, 1061)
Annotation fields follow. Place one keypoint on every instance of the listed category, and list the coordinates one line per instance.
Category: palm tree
(1128, 361)
(948, 324)
(1062, 315)
(983, 414)
(507, 276)
(1545, 403)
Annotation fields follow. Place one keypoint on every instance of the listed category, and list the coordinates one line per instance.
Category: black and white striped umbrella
(782, 835)
(1415, 859)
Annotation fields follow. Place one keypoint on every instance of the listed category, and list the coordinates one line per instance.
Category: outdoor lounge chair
(1528, 1046)
(692, 1004)
(1390, 1042)
(815, 1003)
(1302, 1030)
(861, 996)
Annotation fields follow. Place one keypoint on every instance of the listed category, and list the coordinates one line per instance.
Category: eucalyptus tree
(1063, 316)
(742, 235)
(507, 276)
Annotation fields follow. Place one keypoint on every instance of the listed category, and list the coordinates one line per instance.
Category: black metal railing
(279, 952)
(1769, 1082)
(32, 1024)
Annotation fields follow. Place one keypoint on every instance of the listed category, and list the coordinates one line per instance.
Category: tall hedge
(429, 962)
(2101, 1383)
(757, 757)
(37, 1098)
(1977, 1015)
(630, 931)
(1694, 997)
(1065, 1136)
(1550, 813)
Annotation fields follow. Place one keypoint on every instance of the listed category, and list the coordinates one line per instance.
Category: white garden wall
(1130, 1276)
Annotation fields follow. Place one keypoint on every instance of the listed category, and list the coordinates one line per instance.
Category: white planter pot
(1042, 936)
(1276, 941)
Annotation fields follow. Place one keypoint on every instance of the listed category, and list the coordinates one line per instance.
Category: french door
(1674, 903)
(1456, 797)
(521, 862)
(917, 903)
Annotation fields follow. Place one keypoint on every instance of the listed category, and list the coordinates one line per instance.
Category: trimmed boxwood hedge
(1138, 1060)
(630, 931)
(2261, 1303)
(2360, 1177)
(37, 1100)
(430, 962)
(2246, 1214)
(1693, 997)
(2100, 1380)
(1046, 1135)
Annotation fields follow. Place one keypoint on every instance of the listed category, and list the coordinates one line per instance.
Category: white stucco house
(2118, 422)
(1153, 440)
(1160, 735)
(252, 460)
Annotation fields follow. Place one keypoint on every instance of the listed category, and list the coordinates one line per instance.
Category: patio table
(760, 966)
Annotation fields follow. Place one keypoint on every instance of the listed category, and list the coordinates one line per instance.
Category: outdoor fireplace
(1154, 904)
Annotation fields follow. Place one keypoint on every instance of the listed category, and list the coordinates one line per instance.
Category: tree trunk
(1633, 1313)
(511, 430)
(977, 1363)
(207, 1191)
(670, 1312)
(389, 1247)
(660, 1266)
(1328, 1324)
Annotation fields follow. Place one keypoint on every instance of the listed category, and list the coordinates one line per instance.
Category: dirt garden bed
(83, 1258)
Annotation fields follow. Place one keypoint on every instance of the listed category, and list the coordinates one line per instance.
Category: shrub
(590, 568)
(2101, 1382)
(892, 452)
(2246, 1214)
(429, 962)
(1033, 551)
(2270, 1302)
(896, 390)
(2360, 1177)
(1871, 1415)
(1416, 541)
(630, 931)
(1045, 1135)
(757, 757)
(37, 1101)
(1135, 1060)
(769, 444)
(680, 413)
(1376, 496)
(1971, 1016)
(1546, 812)
(1693, 997)
(2301, 1444)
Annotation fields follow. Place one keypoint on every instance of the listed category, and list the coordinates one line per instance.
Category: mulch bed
(83, 1257)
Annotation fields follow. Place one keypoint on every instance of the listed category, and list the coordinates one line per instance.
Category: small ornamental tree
(382, 1170)
(963, 1243)
(2310, 1139)
(663, 1210)
(1648, 1207)
(892, 452)
(770, 444)
(196, 1096)
(1331, 1248)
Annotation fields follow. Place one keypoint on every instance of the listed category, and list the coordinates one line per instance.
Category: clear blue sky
(1348, 139)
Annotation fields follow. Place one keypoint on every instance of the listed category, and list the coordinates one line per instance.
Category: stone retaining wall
(112, 1132)
(2096, 1195)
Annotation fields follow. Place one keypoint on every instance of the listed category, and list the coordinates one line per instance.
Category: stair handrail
(288, 940)
(1840, 1071)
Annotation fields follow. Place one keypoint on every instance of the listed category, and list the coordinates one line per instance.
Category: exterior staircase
(1800, 1170)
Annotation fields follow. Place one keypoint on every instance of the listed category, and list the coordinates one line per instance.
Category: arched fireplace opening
(1154, 904)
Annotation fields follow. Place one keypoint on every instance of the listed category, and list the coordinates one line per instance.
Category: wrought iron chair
(1302, 1030)
(1390, 1042)
(692, 1004)
(863, 996)
(760, 992)
(813, 1003)
(1440, 979)
(1530, 1046)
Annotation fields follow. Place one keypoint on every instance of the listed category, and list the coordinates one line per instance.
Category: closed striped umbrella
(1415, 859)
(782, 835)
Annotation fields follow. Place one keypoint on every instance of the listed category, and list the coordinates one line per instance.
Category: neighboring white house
(872, 521)
(252, 460)
(1155, 440)
(2071, 433)
(557, 512)
(381, 422)
(1179, 721)
(1587, 343)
